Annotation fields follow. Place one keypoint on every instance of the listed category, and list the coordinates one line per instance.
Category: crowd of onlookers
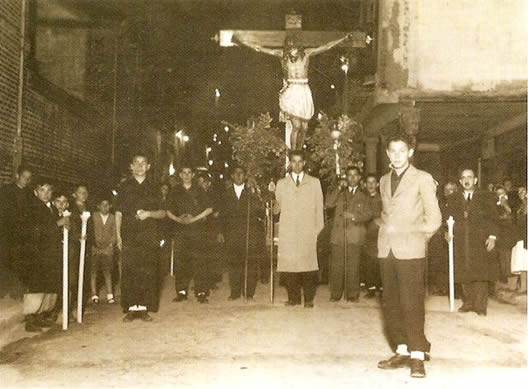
(210, 229)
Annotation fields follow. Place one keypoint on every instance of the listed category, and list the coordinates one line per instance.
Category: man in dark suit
(15, 224)
(370, 252)
(240, 205)
(352, 212)
(475, 234)
(409, 218)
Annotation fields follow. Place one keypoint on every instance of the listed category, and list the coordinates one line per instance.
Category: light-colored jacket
(410, 217)
(301, 220)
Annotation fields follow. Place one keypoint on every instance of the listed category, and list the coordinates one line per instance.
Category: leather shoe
(417, 368)
(130, 316)
(179, 297)
(143, 315)
(481, 313)
(464, 309)
(353, 300)
(31, 326)
(395, 362)
(233, 298)
(291, 303)
(309, 305)
(333, 300)
(371, 293)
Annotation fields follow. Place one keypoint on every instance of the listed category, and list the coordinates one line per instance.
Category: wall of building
(64, 139)
(453, 46)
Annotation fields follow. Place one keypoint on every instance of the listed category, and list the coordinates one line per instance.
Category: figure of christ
(295, 98)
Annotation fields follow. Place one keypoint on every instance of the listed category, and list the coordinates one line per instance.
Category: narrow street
(256, 344)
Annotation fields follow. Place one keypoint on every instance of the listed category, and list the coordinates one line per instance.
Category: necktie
(297, 181)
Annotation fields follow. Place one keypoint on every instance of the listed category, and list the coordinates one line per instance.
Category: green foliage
(349, 146)
(258, 148)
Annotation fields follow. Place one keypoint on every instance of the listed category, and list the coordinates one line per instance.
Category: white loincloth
(295, 100)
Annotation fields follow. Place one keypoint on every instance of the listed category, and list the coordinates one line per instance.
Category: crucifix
(294, 47)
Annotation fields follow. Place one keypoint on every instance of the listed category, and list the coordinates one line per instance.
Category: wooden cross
(293, 26)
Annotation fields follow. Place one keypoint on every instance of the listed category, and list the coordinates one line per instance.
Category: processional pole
(450, 224)
(247, 248)
(84, 219)
(65, 281)
(172, 258)
(271, 236)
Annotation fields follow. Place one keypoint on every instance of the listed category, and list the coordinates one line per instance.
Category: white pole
(172, 259)
(84, 218)
(65, 286)
(450, 224)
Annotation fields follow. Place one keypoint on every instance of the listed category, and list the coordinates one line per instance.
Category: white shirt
(352, 189)
(300, 175)
(238, 190)
(105, 217)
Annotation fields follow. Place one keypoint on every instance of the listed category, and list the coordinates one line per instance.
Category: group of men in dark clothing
(200, 221)
(31, 225)
(197, 221)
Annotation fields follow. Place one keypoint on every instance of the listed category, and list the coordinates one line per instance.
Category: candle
(84, 219)
(65, 288)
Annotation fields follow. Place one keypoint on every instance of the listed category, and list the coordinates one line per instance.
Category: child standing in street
(103, 249)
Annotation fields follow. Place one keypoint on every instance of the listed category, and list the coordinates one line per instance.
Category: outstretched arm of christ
(327, 46)
(257, 48)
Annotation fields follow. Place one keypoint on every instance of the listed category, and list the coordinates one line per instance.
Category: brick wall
(64, 139)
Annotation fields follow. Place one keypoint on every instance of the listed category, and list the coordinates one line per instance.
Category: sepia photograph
(269, 194)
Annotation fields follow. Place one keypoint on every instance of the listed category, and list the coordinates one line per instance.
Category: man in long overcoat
(238, 229)
(299, 200)
(475, 233)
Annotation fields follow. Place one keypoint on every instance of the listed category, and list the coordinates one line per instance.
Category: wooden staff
(84, 219)
(345, 208)
(450, 224)
(271, 242)
(247, 248)
(65, 286)
(172, 258)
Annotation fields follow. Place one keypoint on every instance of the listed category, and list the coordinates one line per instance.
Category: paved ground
(233, 344)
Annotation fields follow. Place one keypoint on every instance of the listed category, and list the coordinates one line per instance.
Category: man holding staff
(136, 210)
(352, 210)
(241, 229)
(475, 234)
(409, 218)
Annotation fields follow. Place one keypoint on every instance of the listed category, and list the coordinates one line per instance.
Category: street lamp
(344, 67)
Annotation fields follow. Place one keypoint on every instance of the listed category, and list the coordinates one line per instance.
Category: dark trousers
(475, 295)
(372, 272)
(236, 254)
(403, 301)
(237, 275)
(336, 271)
(190, 263)
(305, 280)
